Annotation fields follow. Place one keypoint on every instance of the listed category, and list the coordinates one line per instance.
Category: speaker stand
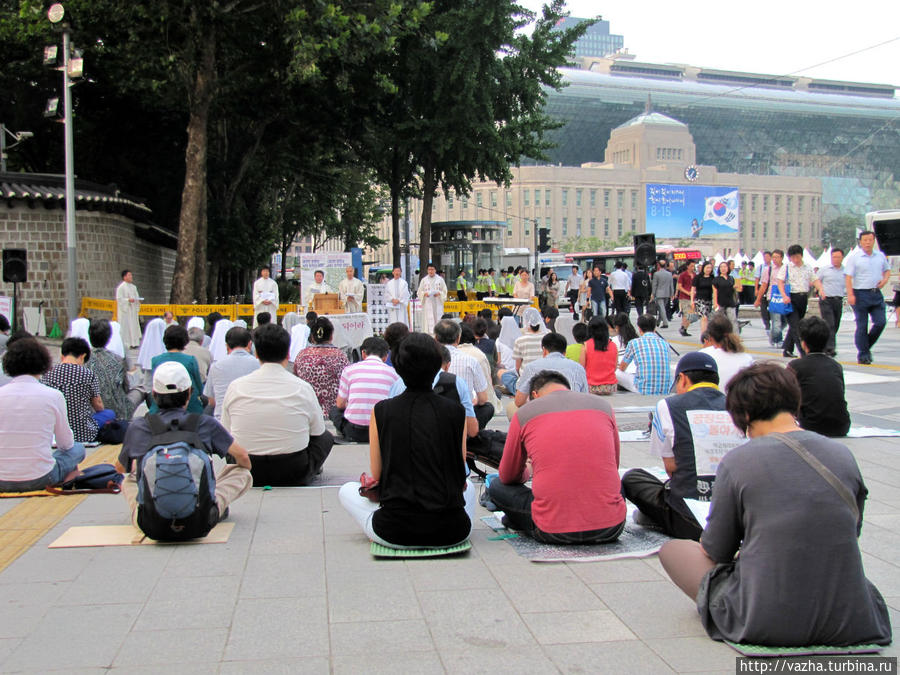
(15, 312)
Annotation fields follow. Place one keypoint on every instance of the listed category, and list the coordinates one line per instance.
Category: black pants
(484, 413)
(515, 501)
(764, 312)
(461, 295)
(297, 468)
(831, 309)
(573, 299)
(349, 430)
(620, 301)
(799, 303)
(640, 304)
(649, 495)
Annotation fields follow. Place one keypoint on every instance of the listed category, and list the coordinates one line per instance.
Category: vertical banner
(376, 308)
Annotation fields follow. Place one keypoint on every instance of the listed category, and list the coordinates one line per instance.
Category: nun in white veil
(217, 346)
(240, 323)
(115, 344)
(290, 320)
(299, 339)
(152, 343)
(199, 322)
(531, 319)
(79, 329)
(509, 331)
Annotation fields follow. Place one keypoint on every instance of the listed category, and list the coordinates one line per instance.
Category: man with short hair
(598, 291)
(573, 284)
(571, 443)
(661, 292)
(776, 322)
(350, 291)
(318, 286)
(432, 291)
(396, 297)
(128, 302)
(447, 332)
(265, 295)
(223, 372)
(640, 289)
(685, 283)
(171, 393)
(620, 283)
(362, 385)
(461, 286)
(196, 349)
(553, 347)
(175, 339)
(867, 272)
(831, 302)
(651, 356)
(801, 278)
(276, 416)
(690, 462)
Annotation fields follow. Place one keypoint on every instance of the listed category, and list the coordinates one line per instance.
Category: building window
(765, 230)
(777, 229)
(790, 202)
(578, 198)
(479, 201)
(565, 225)
(547, 223)
(508, 199)
(620, 227)
(765, 202)
(800, 203)
(778, 202)
(787, 230)
(753, 231)
(509, 227)
(593, 198)
(465, 201)
(537, 197)
(634, 199)
(620, 199)
(527, 231)
(680, 153)
(606, 198)
(565, 197)
(449, 200)
(547, 197)
(606, 227)
(799, 230)
(593, 227)
(526, 197)
(578, 227)
(633, 225)
(753, 202)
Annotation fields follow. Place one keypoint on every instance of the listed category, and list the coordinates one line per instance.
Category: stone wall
(106, 244)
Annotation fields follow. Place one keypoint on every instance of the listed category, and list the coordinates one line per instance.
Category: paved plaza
(295, 589)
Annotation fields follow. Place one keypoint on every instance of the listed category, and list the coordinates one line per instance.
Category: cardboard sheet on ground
(128, 535)
(635, 542)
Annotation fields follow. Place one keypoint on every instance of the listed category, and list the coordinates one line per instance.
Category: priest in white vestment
(129, 304)
(265, 296)
(318, 286)
(396, 298)
(432, 291)
(351, 292)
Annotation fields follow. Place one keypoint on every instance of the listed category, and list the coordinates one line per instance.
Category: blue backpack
(176, 483)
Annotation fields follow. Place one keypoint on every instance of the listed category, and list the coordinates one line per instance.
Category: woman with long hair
(724, 298)
(599, 357)
(702, 293)
(726, 348)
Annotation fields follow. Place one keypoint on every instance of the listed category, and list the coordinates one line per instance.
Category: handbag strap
(822, 470)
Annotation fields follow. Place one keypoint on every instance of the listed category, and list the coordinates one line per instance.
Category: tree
(840, 232)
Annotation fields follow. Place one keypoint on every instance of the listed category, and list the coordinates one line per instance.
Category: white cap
(170, 378)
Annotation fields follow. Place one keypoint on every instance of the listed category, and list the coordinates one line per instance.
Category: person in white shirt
(726, 348)
(128, 303)
(447, 332)
(573, 286)
(396, 297)
(265, 295)
(223, 372)
(351, 292)
(432, 291)
(318, 286)
(620, 284)
(276, 416)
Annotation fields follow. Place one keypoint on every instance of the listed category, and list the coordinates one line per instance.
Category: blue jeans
(777, 322)
(509, 380)
(598, 307)
(66, 462)
(868, 303)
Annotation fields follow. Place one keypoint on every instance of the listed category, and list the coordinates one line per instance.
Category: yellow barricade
(99, 305)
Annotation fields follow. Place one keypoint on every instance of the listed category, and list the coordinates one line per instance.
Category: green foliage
(840, 232)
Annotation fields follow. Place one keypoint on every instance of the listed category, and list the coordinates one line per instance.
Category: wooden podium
(326, 303)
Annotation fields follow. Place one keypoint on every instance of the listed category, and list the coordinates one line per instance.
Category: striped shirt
(651, 354)
(363, 385)
(467, 369)
(528, 347)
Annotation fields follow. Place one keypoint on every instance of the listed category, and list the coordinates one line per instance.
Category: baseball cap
(171, 378)
(696, 361)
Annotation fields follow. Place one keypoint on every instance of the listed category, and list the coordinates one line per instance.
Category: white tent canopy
(824, 259)
(759, 259)
(809, 258)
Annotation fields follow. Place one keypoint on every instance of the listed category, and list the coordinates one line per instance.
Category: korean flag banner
(723, 210)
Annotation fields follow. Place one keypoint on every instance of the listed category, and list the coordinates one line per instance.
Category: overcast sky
(777, 37)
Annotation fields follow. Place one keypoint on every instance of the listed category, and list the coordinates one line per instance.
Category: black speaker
(15, 265)
(887, 232)
(645, 249)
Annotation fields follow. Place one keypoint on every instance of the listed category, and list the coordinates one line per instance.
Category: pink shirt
(30, 414)
(363, 385)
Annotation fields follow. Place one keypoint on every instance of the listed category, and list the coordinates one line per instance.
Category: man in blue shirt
(651, 355)
(553, 346)
(866, 274)
(831, 304)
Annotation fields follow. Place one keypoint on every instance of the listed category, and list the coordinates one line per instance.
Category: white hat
(171, 378)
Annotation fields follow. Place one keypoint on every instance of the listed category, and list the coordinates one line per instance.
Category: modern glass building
(845, 134)
(596, 41)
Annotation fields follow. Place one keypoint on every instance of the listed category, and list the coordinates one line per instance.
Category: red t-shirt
(685, 279)
(600, 366)
(573, 443)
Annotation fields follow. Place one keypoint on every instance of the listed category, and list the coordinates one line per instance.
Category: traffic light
(543, 240)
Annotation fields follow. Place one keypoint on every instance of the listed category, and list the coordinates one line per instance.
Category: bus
(607, 259)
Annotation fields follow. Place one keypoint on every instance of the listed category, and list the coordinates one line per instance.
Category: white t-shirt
(729, 363)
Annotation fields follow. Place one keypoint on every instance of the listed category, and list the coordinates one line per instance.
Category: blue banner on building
(692, 211)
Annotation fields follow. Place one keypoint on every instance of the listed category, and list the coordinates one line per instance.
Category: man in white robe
(265, 296)
(129, 304)
(318, 286)
(432, 291)
(351, 292)
(396, 297)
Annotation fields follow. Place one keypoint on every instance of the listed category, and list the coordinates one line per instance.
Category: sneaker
(864, 360)
(788, 355)
(684, 332)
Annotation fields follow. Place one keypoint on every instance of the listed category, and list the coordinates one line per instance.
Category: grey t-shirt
(799, 578)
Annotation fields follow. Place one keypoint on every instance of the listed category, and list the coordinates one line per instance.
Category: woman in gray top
(799, 579)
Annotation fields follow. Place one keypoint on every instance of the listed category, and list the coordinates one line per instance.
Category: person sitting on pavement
(276, 416)
(417, 444)
(468, 347)
(650, 353)
(223, 372)
(599, 358)
(362, 385)
(553, 348)
(111, 372)
(81, 389)
(726, 348)
(196, 349)
(823, 406)
(526, 348)
(172, 394)
(321, 363)
(580, 335)
(393, 335)
(175, 340)
(447, 332)
(31, 416)
(779, 561)
(571, 443)
(698, 401)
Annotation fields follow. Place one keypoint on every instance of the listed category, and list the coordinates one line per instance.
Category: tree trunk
(201, 96)
(201, 273)
(429, 184)
(214, 285)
